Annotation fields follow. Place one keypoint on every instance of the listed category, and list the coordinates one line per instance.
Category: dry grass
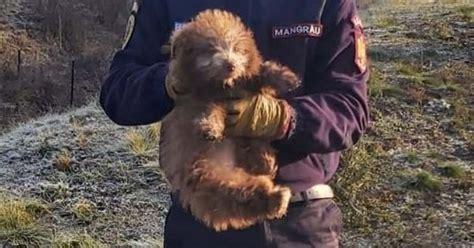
(84, 211)
(80, 135)
(142, 143)
(20, 227)
(63, 160)
(76, 241)
(138, 143)
(18, 223)
(154, 132)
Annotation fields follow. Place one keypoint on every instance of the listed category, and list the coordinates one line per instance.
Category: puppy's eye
(239, 49)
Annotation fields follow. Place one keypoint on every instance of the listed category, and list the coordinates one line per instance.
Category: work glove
(172, 85)
(257, 116)
(171, 82)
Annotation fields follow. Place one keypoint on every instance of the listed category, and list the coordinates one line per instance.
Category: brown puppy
(226, 183)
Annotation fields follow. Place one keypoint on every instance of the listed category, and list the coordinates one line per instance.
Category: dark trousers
(315, 224)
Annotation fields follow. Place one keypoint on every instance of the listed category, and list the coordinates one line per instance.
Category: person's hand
(257, 116)
(172, 85)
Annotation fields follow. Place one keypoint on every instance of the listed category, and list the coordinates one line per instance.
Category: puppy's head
(214, 50)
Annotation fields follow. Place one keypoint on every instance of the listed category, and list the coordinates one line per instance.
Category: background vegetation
(75, 179)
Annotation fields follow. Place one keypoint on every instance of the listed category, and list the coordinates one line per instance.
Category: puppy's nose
(230, 67)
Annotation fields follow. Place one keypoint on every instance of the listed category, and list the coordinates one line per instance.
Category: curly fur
(225, 182)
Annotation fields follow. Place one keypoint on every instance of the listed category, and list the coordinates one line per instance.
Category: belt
(318, 191)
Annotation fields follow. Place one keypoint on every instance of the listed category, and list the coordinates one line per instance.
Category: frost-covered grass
(99, 187)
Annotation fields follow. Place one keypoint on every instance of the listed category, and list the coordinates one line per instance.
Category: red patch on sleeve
(360, 51)
(357, 21)
(360, 44)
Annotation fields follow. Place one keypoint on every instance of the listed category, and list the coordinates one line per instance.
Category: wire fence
(30, 88)
(19, 75)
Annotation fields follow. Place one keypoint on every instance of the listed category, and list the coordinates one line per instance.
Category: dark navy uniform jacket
(323, 41)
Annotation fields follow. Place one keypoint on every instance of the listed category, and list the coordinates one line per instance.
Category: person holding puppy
(324, 43)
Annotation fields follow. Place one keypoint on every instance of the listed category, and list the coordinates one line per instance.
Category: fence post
(72, 83)
(18, 63)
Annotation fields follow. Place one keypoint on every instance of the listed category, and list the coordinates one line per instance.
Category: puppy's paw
(210, 130)
(279, 77)
(212, 125)
(213, 135)
(278, 202)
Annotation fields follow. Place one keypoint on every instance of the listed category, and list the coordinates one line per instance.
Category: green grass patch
(436, 155)
(467, 13)
(437, 83)
(385, 22)
(378, 87)
(408, 69)
(463, 114)
(453, 170)
(413, 157)
(426, 180)
(377, 55)
(356, 184)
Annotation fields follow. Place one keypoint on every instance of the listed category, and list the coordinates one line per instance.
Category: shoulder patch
(360, 51)
(131, 23)
(360, 57)
(357, 22)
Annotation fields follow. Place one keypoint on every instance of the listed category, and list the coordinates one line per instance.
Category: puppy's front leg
(212, 122)
(277, 79)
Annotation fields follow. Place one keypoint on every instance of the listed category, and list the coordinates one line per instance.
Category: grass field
(78, 180)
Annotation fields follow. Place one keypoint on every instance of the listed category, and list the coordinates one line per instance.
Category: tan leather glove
(257, 116)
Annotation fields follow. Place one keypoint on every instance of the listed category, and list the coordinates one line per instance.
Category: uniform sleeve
(336, 115)
(134, 91)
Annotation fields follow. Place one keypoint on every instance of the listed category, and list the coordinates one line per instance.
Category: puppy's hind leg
(226, 197)
(256, 157)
